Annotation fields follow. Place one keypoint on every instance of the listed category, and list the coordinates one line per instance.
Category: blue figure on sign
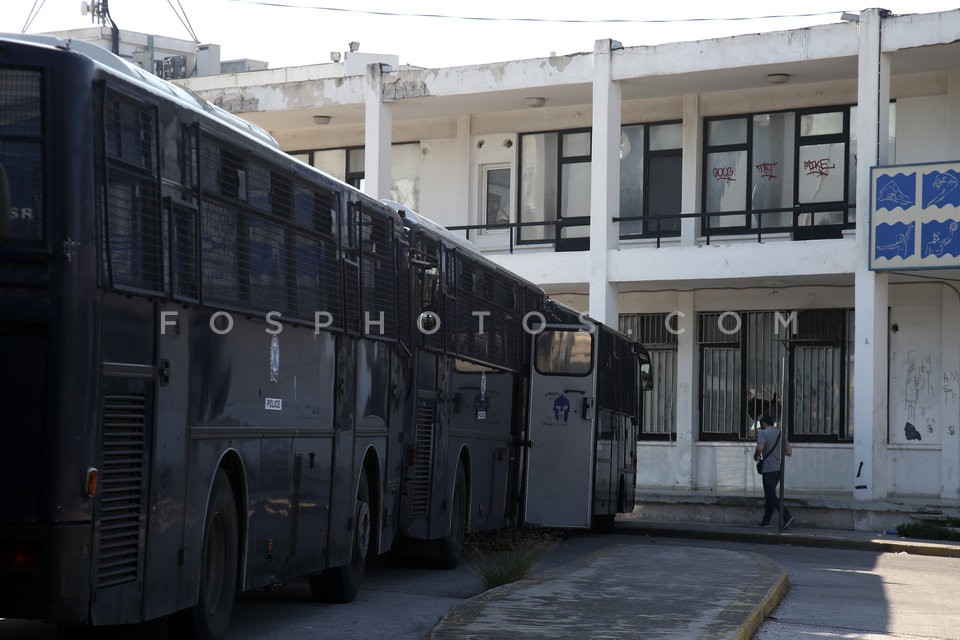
(940, 189)
(938, 238)
(893, 240)
(561, 409)
(896, 191)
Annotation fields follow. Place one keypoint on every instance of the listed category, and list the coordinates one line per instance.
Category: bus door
(560, 457)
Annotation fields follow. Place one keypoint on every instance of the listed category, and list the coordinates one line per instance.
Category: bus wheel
(451, 549)
(341, 584)
(218, 566)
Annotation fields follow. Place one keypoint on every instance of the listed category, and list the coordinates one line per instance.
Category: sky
(300, 32)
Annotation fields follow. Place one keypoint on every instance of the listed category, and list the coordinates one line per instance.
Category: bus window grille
(121, 488)
(420, 498)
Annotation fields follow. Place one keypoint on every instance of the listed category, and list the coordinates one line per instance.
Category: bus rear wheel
(209, 619)
(341, 584)
(451, 547)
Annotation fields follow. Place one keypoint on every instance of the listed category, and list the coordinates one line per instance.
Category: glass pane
(772, 169)
(720, 412)
(723, 132)
(817, 400)
(497, 195)
(576, 144)
(564, 352)
(538, 184)
(331, 162)
(660, 405)
(820, 124)
(355, 160)
(665, 191)
(575, 194)
(631, 178)
(405, 161)
(821, 172)
(664, 137)
(726, 187)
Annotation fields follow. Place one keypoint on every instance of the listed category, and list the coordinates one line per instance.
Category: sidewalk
(630, 591)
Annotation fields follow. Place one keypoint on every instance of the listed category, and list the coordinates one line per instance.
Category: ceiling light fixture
(535, 102)
(778, 78)
(321, 119)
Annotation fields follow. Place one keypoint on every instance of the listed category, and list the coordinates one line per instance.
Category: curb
(770, 601)
(791, 538)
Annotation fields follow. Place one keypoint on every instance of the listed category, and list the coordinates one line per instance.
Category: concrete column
(950, 337)
(688, 413)
(378, 134)
(604, 182)
(871, 368)
(691, 180)
(466, 186)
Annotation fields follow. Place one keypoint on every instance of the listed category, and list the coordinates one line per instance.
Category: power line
(34, 10)
(369, 12)
(183, 19)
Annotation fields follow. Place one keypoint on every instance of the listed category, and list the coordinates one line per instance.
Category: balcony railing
(801, 223)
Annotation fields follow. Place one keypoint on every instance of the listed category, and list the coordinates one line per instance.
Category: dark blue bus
(225, 370)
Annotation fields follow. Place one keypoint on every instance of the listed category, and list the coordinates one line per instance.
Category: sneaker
(786, 525)
(764, 525)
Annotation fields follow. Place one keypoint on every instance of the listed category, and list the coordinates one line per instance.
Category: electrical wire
(34, 11)
(182, 16)
(370, 12)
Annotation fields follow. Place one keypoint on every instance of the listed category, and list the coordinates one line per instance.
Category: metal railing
(802, 225)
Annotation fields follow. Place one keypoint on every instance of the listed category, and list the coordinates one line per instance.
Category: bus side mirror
(646, 376)
(430, 289)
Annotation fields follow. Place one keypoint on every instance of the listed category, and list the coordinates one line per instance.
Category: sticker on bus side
(273, 404)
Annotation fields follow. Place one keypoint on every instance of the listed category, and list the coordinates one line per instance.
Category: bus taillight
(91, 484)
(19, 554)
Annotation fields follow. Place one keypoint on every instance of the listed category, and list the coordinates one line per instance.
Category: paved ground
(655, 592)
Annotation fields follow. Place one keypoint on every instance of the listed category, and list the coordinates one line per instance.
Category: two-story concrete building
(718, 200)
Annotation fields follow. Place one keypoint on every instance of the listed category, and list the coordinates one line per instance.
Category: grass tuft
(507, 555)
(931, 530)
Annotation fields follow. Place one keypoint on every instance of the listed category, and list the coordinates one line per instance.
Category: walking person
(770, 445)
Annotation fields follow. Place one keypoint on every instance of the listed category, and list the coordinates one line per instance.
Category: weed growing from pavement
(507, 555)
(948, 529)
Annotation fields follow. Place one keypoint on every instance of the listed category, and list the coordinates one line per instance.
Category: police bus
(225, 370)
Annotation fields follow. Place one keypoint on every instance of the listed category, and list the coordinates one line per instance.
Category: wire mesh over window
(21, 153)
(658, 333)
(133, 228)
(378, 271)
(133, 232)
(184, 253)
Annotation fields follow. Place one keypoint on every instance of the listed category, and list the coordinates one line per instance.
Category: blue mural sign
(915, 216)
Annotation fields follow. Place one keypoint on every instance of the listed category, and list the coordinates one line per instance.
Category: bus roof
(119, 67)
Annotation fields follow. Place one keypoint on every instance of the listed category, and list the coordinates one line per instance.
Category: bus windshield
(21, 156)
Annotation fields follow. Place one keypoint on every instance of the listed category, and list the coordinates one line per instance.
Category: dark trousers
(771, 502)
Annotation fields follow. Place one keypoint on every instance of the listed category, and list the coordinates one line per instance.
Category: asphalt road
(837, 594)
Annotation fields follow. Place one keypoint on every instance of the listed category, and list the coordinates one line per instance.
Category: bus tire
(341, 584)
(451, 547)
(209, 619)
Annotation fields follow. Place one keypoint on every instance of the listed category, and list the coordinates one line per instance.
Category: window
(657, 332)
(347, 165)
(564, 352)
(555, 188)
(793, 365)
(782, 171)
(650, 179)
(495, 198)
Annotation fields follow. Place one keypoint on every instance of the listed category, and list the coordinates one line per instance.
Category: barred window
(657, 332)
(790, 364)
